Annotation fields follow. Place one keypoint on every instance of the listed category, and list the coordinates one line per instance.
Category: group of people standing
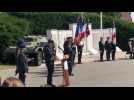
(108, 46)
(70, 48)
(22, 61)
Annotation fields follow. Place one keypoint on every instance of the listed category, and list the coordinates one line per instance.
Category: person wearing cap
(49, 51)
(21, 64)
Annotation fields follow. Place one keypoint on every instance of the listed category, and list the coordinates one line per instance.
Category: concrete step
(87, 57)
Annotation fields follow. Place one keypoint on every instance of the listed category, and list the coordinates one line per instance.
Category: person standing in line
(101, 48)
(80, 46)
(74, 51)
(130, 49)
(108, 48)
(113, 50)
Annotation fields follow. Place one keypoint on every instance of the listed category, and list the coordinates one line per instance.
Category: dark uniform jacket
(49, 53)
(108, 46)
(68, 49)
(22, 64)
(101, 46)
(74, 49)
(113, 47)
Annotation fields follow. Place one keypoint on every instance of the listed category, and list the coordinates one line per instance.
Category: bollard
(63, 59)
(66, 81)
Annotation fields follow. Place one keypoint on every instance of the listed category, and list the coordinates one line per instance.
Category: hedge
(41, 21)
(12, 28)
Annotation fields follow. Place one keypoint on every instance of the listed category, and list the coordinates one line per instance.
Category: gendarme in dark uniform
(80, 46)
(21, 61)
(22, 65)
(108, 48)
(113, 50)
(49, 52)
(101, 48)
(131, 49)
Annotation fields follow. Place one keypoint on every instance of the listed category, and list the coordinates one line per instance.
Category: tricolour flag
(82, 30)
(114, 34)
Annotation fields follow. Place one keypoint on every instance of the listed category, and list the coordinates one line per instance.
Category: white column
(90, 39)
(132, 16)
(73, 28)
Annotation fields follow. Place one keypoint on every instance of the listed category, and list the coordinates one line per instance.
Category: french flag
(114, 33)
(82, 30)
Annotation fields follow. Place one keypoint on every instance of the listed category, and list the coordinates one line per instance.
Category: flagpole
(101, 23)
(84, 40)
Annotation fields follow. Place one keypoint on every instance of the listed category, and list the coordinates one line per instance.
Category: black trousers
(73, 59)
(113, 55)
(80, 49)
(108, 55)
(70, 66)
(50, 69)
(101, 55)
(131, 55)
(22, 77)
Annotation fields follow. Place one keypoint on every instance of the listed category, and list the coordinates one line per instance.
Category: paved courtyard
(93, 74)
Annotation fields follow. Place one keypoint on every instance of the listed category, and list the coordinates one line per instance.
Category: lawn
(2, 66)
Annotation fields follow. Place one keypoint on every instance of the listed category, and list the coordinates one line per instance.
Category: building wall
(97, 33)
(91, 43)
(59, 37)
(126, 16)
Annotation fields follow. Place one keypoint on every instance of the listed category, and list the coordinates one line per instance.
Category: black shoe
(71, 74)
(50, 85)
(79, 62)
(101, 60)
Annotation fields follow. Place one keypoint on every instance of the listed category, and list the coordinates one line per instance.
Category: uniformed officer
(22, 65)
(130, 49)
(80, 46)
(113, 50)
(49, 60)
(108, 48)
(101, 48)
(74, 51)
(69, 51)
